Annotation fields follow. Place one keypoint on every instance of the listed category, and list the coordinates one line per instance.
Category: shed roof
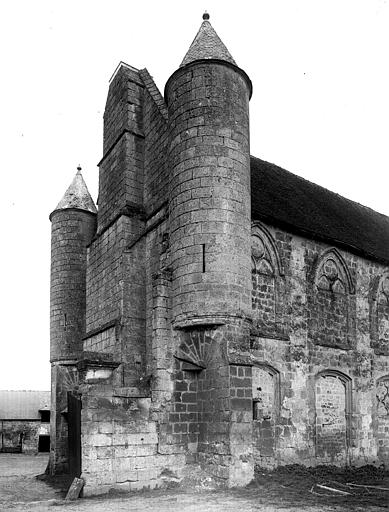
(23, 405)
(282, 198)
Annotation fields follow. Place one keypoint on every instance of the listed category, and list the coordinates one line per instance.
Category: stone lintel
(97, 369)
(130, 392)
(86, 364)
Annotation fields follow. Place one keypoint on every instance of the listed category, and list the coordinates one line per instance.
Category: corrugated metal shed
(23, 405)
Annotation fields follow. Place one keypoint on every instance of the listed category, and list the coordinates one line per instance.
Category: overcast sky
(320, 108)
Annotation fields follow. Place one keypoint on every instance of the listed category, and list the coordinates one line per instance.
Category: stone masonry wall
(21, 435)
(156, 172)
(211, 416)
(121, 180)
(160, 342)
(104, 276)
(121, 169)
(331, 419)
(209, 196)
(114, 273)
(71, 232)
(128, 275)
(327, 373)
(116, 263)
(120, 442)
(265, 393)
(382, 417)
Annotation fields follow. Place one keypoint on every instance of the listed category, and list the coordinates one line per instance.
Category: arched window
(266, 406)
(266, 283)
(379, 314)
(382, 417)
(332, 319)
(332, 274)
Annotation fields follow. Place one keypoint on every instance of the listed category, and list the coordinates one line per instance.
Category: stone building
(24, 421)
(216, 310)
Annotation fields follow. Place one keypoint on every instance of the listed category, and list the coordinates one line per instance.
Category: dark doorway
(74, 434)
(44, 444)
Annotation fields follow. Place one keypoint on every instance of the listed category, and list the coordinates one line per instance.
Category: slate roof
(23, 405)
(284, 199)
(207, 45)
(77, 196)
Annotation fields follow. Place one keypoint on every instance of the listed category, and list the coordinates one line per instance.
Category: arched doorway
(266, 400)
(333, 414)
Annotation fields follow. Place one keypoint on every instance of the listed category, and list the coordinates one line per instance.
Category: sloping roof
(207, 45)
(23, 405)
(282, 198)
(77, 196)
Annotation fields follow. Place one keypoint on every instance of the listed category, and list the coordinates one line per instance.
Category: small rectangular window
(45, 416)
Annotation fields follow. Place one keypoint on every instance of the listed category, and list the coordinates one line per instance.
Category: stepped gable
(282, 198)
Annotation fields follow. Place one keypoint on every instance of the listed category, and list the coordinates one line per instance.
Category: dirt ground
(18, 482)
(292, 488)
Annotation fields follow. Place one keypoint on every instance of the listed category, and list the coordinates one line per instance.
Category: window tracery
(330, 278)
(331, 273)
(332, 308)
(266, 284)
(379, 314)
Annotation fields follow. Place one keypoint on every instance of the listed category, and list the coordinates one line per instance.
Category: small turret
(73, 227)
(209, 160)
(210, 224)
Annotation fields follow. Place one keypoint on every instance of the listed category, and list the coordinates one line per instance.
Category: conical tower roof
(207, 45)
(77, 196)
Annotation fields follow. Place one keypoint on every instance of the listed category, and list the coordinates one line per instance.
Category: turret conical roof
(207, 45)
(77, 196)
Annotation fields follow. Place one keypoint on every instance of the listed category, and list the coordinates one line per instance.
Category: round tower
(209, 158)
(73, 225)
